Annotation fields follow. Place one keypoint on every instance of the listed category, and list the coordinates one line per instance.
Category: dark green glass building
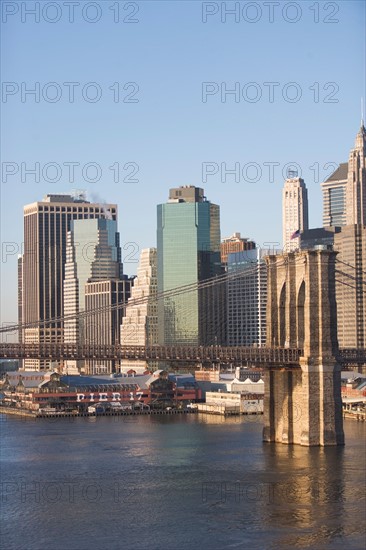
(188, 251)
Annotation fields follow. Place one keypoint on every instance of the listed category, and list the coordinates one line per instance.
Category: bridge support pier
(302, 405)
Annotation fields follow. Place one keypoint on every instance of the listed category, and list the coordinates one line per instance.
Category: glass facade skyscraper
(334, 197)
(188, 251)
(92, 254)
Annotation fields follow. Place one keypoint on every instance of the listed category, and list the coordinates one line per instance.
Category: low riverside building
(229, 393)
(30, 379)
(35, 391)
(353, 385)
(231, 403)
(19, 387)
(243, 380)
(246, 386)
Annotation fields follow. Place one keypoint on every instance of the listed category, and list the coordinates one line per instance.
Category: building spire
(362, 119)
(360, 142)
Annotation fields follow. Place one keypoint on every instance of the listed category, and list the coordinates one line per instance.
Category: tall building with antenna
(350, 244)
(344, 220)
(295, 217)
(356, 181)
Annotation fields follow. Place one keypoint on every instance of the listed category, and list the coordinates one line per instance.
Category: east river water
(176, 483)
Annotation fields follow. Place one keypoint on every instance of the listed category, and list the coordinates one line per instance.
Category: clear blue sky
(170, 131)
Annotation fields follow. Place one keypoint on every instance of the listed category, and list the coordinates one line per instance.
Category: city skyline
(131, 250)
(189, 249)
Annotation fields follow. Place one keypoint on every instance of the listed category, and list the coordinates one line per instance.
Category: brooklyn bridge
(302, 361)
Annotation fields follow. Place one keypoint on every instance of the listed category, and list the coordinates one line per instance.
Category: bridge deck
(182, 354)
(202, 354)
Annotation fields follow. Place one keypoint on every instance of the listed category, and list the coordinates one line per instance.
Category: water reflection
(308, 495)
(177, 483)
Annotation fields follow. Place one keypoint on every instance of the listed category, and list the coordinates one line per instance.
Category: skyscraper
(103, 326)
(294, 212)
(356, 181)
(334, 197)
(92, 253)
(46, 224)
(188, 251)
(20, 297)
(350, 244)
(344, 219)
(140, 324)
(247, 298)
(235, 243)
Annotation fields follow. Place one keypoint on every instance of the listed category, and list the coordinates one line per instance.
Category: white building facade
(140, 324)
(295, 216)
(247, 298)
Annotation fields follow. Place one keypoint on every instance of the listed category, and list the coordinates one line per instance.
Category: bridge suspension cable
(200, 285)
(171, 293)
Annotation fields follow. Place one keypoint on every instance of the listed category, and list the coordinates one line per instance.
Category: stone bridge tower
(303, 405)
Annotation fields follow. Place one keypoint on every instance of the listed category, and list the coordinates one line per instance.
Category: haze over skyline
(177, 124)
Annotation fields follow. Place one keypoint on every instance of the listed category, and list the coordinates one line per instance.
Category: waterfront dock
(67, 414)
(355, 415)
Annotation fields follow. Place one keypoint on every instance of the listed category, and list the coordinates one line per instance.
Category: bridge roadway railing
(351, 357)
(201, 354)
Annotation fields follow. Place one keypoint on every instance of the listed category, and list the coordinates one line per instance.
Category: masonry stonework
(302, 405)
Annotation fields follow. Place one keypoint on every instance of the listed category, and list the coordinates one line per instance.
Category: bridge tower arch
(302, 405)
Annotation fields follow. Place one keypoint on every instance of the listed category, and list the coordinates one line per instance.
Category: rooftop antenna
(361, 112)
(291, 173)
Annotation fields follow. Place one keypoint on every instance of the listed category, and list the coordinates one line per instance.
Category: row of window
(74, 209)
